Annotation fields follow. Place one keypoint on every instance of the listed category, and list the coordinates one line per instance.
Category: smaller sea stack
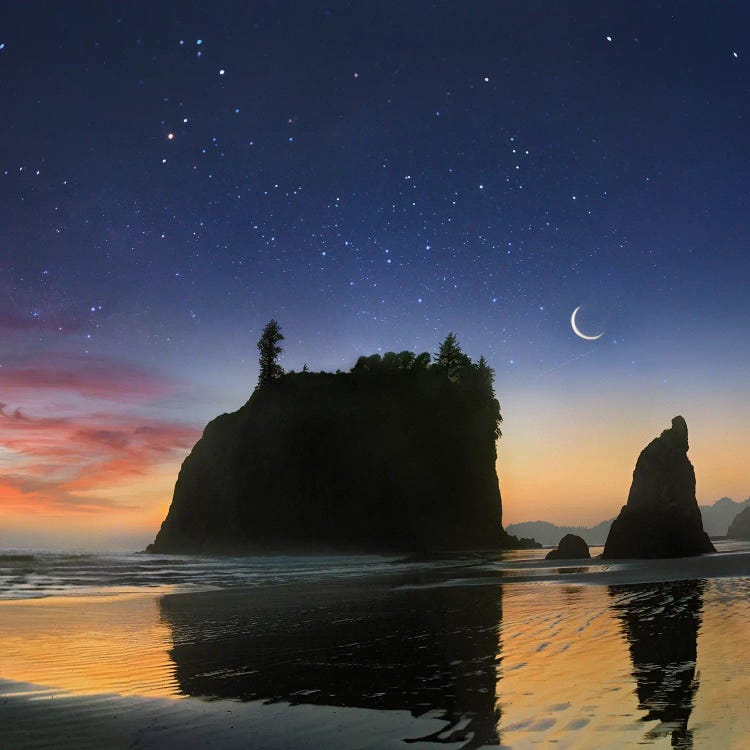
(661, 517)
(570, 547)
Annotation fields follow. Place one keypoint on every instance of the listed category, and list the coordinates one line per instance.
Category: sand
(516, 654)
(48, 719)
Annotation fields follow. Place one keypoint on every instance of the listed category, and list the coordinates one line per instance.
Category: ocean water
(30, 574)
(345, 651)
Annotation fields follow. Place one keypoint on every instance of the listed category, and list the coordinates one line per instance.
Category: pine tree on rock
(269, 348)
(486, 376)
(486, 373)
(450, 358)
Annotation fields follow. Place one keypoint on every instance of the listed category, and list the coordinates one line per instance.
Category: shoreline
(522, 567)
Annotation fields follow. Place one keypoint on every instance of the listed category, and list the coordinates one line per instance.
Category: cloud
(86, 452)
(57, 455)
(53, 461)
(90, 377)
(24, 494)
(16, 415)
(115, 439)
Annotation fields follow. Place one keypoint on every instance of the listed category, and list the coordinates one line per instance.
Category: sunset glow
(81, 447)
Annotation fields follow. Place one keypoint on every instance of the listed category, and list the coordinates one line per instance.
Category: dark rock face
(317, 461)
(570, 547)
(740, 527)
(661, 517)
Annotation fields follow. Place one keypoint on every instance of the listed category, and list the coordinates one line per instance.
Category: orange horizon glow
(571, 461)
(88, 452)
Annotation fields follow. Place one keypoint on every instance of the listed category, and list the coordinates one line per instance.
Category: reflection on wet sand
(470, 665)
(661, 624)
(424, 650)
(565, 677)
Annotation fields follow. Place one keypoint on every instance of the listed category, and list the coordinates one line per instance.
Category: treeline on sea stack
(396, 454)
(470, 382)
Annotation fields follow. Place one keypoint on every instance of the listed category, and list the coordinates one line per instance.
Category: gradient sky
(373, 175)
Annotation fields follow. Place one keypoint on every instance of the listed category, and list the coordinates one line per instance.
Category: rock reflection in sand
(581, 666)
(661, 624)
(427, 651)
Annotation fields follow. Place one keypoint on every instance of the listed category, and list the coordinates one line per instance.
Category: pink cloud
(90, 377)
(22, 494)
(67, 458)
(52, 460)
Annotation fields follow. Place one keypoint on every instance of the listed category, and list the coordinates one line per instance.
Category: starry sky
(373, 175)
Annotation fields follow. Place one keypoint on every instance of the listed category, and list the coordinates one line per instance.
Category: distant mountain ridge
(716, 520)
(549, 534)
(718, 517)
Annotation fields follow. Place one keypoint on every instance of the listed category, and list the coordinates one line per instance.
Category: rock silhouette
(380, 458)
(740, 526)
(570, 547)
(661, 517)
(716, 518)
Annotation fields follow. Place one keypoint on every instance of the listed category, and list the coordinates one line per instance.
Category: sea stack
(387, 459)
(661, 517)
(570, 547)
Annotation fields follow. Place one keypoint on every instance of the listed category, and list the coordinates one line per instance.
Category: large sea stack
(367, 460)
(661, 518)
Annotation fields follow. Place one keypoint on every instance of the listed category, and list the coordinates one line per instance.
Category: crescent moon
(577, 332)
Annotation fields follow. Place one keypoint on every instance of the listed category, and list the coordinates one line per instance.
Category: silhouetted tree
(450, 358)
(486, 373)
(405, 360)
(269, 348)
(390, 361)
(373, 363)
(421, 362)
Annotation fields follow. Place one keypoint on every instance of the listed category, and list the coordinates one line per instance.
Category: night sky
(373, 175)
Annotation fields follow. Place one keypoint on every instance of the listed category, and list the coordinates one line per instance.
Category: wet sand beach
(512, 652)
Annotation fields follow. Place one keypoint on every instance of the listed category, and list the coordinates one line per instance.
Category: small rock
(570, 547)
